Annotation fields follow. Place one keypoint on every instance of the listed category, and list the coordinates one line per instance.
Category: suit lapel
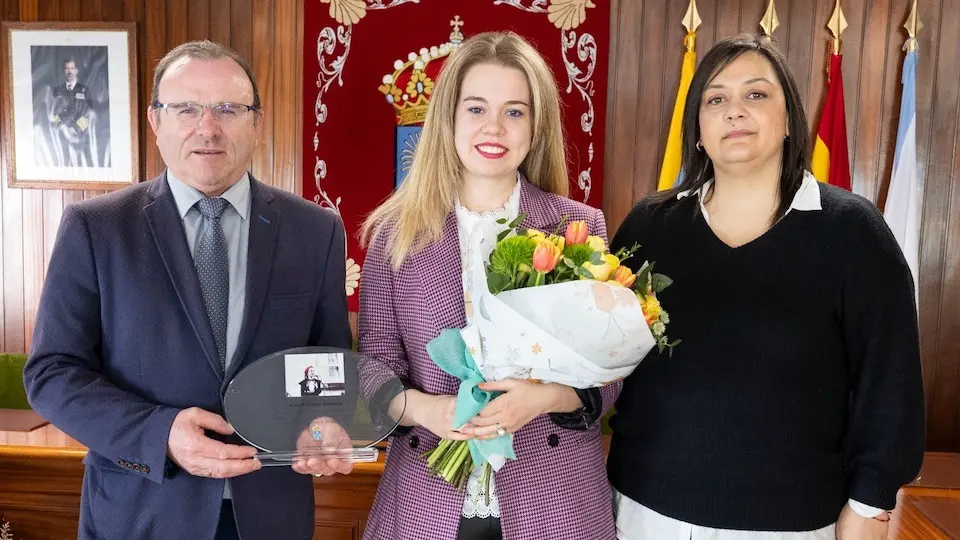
(541, 213)
(167, 230)
(264, 224)
(439, 270)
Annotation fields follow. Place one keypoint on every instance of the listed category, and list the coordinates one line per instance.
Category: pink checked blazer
(557, 487)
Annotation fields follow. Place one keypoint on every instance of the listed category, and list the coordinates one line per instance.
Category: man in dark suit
(71, 117)
(158, 294)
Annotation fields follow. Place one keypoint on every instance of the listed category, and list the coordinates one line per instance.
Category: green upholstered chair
(12, 393)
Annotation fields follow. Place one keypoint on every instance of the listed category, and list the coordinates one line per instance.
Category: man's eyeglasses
(189, 113)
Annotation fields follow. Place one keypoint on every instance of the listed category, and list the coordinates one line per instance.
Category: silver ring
(500, 431)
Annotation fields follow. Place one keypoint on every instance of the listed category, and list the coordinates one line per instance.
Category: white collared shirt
(806, 199)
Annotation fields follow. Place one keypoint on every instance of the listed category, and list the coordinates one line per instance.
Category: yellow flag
(670, 169)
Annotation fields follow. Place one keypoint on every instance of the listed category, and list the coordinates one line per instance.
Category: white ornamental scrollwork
(582, 80)
(378, 4)
(331, 69)
(538, 6)
(586, 52)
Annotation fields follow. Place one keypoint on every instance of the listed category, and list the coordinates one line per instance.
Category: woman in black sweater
(793, 408)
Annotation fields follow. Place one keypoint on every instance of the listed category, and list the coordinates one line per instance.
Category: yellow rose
(535, 234)
(602, 272)
(596, 243)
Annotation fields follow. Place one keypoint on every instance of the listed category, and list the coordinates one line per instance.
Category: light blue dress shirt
(236, 228)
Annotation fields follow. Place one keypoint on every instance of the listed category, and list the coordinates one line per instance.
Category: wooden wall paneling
(942, 424)
(198, 20)
(287, 69)
(92, 10)
(800, 48)
(751, 11)
(943, 164)
(873, 107)
(707, 33)
(242, 23)
(649, 149)
(70, 10)
(263, 63)
(623, 100)
(155, 21)
(220, 14)
(727, 19)
(948, 347)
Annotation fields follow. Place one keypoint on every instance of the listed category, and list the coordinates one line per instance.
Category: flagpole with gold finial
(770, 22)
(837, 24)
(691, 21)
(670, 173)
(913, 26)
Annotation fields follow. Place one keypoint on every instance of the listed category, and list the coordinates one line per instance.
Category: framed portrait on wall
(70, 105)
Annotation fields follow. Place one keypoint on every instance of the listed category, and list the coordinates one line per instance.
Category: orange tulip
(576, 233)
(545, 257)
(624, 276)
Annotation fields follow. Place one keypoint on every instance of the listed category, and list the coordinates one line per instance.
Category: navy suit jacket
(122, 343)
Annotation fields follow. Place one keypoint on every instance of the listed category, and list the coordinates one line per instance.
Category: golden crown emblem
(410, 85)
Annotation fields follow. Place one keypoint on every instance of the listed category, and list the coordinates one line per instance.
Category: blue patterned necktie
(213, 268)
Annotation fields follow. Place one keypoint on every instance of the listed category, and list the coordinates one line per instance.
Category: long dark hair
(696, 167)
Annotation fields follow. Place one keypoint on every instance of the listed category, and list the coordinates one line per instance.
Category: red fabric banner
(368, 71)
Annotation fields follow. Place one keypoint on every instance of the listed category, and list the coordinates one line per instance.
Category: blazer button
(414, 442)
(136, 467)
(553, 439)
(145, 469)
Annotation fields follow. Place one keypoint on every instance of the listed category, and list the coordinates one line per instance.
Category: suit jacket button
(414, 442)
(553, 439)
(145, 469)
(136, 467)
(121, 462)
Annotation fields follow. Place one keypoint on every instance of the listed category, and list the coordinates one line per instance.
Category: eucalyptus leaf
(498, 282)
(501, 221)
(517, 220)
(503, 234)
(596, 258)
(581, 271)
(660, 282)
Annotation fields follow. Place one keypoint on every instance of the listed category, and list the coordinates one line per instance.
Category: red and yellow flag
(831, 162)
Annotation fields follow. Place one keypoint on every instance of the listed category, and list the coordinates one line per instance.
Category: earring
(699, 146)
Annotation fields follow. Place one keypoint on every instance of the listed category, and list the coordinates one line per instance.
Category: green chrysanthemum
(578, 253)
(512, 252)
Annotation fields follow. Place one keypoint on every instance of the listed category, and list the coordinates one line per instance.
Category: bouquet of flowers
(552, 308)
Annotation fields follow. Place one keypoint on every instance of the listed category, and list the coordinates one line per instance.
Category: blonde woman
(491, 148)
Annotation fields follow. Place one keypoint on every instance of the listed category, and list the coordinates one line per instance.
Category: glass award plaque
(314, 402)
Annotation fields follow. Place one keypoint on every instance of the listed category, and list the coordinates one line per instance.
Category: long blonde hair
(415, 214)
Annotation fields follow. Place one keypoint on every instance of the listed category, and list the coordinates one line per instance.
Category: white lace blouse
(480, 230)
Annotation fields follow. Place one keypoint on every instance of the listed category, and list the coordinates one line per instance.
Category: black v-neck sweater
(797, 384)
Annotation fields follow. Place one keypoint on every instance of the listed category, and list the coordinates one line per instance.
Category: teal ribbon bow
(450, 353)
